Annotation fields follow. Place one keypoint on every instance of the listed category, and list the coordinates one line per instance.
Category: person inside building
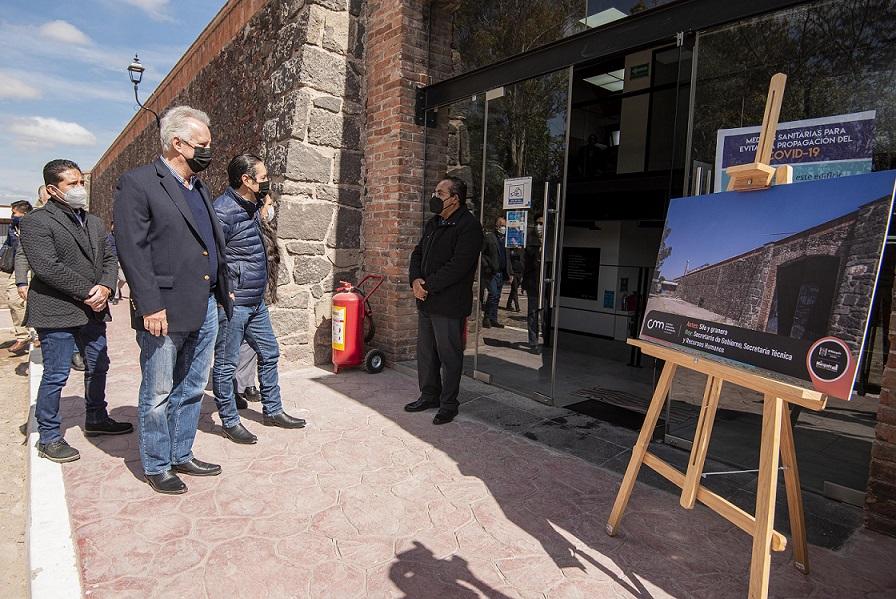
(515, 260)
(73, 274)
(15, 301)
(495, 270)
(532, 280)
(239, 211)
(441, 273)
(171, 249)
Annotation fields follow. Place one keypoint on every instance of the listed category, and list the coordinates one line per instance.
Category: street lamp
(135, 71)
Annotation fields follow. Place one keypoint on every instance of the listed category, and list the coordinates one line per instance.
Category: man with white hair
(171, 249)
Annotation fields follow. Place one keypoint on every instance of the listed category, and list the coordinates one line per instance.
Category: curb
(52, 562)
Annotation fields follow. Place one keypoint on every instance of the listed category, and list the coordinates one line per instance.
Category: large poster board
(780, 281)
(817, 149)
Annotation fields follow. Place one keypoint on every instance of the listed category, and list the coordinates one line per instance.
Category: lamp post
(135, 71)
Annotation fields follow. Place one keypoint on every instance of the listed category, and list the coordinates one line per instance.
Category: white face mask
(539, 229)
(269, 214)
(76, 197)
(502, 230)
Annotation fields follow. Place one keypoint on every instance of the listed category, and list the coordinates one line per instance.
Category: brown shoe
(19, 347)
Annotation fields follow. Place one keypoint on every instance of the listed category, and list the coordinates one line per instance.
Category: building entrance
(603, 145)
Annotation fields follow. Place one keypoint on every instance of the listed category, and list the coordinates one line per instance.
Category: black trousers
(440, 359)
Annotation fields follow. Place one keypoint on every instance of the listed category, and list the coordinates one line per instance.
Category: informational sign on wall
(779, 281)
(817, 149)
(517, 221)
(518, 193)
(581, 269)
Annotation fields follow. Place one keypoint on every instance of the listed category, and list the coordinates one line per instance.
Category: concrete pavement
(369, 501)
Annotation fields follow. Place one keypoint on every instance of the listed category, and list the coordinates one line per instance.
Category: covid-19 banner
(823, 148)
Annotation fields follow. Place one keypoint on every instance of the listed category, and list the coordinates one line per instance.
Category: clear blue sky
(64, 88)
(707, 229)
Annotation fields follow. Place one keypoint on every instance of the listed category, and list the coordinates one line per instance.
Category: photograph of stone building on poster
(780, 280)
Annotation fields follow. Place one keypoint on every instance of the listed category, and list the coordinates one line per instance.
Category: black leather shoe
(252, 394)
(283, 420)
(58, 451)
(241, 403)
(496, 325)
(239, 434)
(444, 417)
(108, 427)
(197, 468)
(486, 324)
(421, 404)
(167, 483)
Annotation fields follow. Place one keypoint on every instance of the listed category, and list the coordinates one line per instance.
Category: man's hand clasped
(420, 291)
(97, 298)
(156, 323)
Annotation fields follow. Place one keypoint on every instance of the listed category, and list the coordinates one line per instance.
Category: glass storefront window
(468, 34)
(840, 60)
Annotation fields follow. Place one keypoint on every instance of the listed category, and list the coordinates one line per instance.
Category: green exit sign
(639, 70)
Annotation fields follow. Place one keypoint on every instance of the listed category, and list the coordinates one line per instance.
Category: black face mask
(202, 157)
(436, 205)
(264, 188)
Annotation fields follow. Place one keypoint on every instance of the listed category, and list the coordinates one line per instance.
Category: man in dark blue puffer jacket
(238, 210)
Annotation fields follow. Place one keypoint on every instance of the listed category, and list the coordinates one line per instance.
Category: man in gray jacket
(73, 274)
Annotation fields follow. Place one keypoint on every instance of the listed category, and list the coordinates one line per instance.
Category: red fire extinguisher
(350, 310)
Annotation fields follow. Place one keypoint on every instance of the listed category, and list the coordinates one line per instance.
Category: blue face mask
(16, 220)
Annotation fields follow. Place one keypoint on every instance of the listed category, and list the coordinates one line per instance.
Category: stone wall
(755, 273)
(880, 501)
(287, 85)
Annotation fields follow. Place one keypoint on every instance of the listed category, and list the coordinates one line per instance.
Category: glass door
(523, 160)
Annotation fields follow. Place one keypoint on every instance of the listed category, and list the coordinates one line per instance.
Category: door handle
(556, 213)
(541, 279)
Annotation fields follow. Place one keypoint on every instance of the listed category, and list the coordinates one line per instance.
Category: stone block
(343, 259)
(348, 168)
(276, 158)
(331, 4)
(321, 70)
(305, 163)
(328, 103)
(333, 130)
(336, 32)
(305, 248)
(294, 297)
(310, 269)
(307, 221)
(347, 230)
(288, 322)
(283, 276)
(322, 308)
(340, 195)
(296, 188)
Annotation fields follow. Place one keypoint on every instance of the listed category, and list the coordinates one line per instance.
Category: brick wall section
(285, 83)
(396, 48)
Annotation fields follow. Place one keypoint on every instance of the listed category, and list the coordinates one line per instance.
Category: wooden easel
(777, 433)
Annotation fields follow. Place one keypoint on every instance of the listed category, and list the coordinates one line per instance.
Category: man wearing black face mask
(74, 272)
(171, 249)
(239, 210)
(441, 274)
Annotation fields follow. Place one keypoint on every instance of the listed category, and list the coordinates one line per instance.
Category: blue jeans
(252, 323)
(494, 296)
(57, 347)
(175, 369)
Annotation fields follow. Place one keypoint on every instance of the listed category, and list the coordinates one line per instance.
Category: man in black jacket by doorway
(441, 274)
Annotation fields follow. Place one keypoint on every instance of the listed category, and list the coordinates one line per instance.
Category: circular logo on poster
(828, 359)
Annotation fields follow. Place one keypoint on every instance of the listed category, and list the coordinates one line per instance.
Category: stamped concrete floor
(370, 501)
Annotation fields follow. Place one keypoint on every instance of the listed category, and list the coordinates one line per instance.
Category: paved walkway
(370, 501)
